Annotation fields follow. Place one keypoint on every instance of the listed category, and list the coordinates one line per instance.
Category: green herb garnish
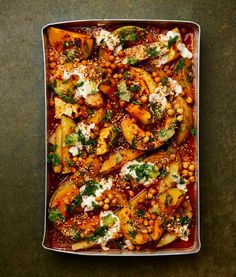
(172, 41)
(184, 220)
(54, 159)
(164, 81)
(55, 215)
(140, 213)
(152, 52)
(135, 88)
(179, 65)
(193, 131)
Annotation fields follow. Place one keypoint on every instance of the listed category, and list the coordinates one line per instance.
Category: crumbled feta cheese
(158, 98)
(184, 52)
(89, 201)
(146, 175)
(182, 232)
(174, 87)
(111, 40)
(113, 229)
(74, 151)
(181, 183)
(85, 129)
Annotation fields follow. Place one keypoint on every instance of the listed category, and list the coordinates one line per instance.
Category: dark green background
(22, 139)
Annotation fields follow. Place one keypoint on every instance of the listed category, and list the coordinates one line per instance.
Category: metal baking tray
(195, 248)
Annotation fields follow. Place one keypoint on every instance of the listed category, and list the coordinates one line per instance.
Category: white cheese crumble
(158, 98)
(184, 52)
(111, 40)
(74, 150)
(85, 85)
(85, 129)
(182, 232)
(181, 183)
(130, 169)
(113, 229)
(89, 201)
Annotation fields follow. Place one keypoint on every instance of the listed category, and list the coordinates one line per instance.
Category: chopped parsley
(69, 162)
(80, 84)
(163, 173)
(126, 74)
(172, 41)
(91, 187)
(164, 81)
(54, 159)
(70, 55)
(179, 65)
(168, 200)
(53, 147)
(133, 144)
(184, 220)
(133, 234)
(193, 131)
(144, 171)
(107, 117)
(135, 88)
(140, 213)
(120, 244)
(119, 158)
(152, 52)
(99, 232)
(76, 232)
(132, 60)
(55, 215)
(71, 139)
(128, 35)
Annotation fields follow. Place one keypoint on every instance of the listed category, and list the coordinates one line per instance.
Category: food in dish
(121, 142)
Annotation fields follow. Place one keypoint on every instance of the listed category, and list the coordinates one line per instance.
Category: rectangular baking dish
(195, 248)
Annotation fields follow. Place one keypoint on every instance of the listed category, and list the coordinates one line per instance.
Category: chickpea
(176, 106)
(98, 198)
(100, 203)
(51, 59)
(180, 111)
(114, 201)
(144, 231)
(109, 71)
(106, 207)
(185, 165)
(154, 74)
(121, 54)
(150, 229)
(52, 65)
(73, 169)
(53, 72)
(168, 106)
(113, 66)
(131, 193)
(190, 173)
(107, 64)
(151, 222)
(51, 53)
(189, 100)
(153, 191)
(109, 106)
(61, 60)
(180, 118)
(84, 62)
(191, 179)
(150, 195)
(144, 98)
(191, 167)
(170, 112)
(120, 65)
(157, 79)
(172, 157)
(107, 200)
(112, 58)
(145, 223)
(110, 196)
(185, 173)
(120, 76)
(153, 203)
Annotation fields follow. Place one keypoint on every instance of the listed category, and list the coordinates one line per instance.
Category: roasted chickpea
(110, 196)
(84, 62)
(112, 58)
(157, 79)
(191, 179)
(189, 100)
(113, 66)
(191, 167)
(131, 193)
(180, 118)
(107, 64)
(145, 223)
(150, 195)
(170, 112)
(107, 200)
(169, 72)
(185, 173)
(121, 54)
(144, 98)
(180, 111)
(119, 65)
(154, 74)
(52, 65)
(185, 165)
(120, 76)
(146, 139)
(100, 203)
(106, 207)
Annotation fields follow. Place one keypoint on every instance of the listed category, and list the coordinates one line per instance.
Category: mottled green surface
(22, 139)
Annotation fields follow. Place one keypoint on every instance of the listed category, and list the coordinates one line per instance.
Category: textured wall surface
(22, 139)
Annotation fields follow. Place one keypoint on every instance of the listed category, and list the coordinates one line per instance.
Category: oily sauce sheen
(121, 138)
